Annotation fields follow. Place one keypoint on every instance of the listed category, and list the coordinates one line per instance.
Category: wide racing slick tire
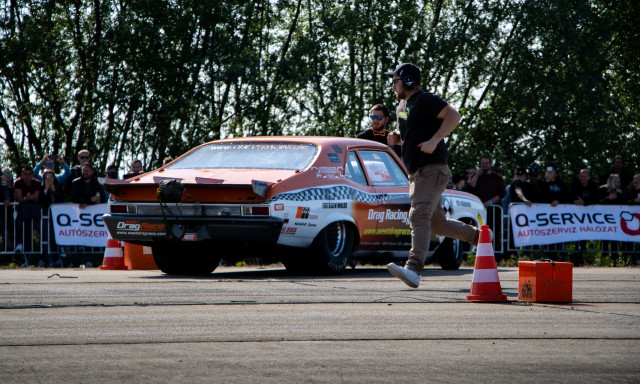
(450, 254)
(180, 258)
(332, 248)
(329, 253)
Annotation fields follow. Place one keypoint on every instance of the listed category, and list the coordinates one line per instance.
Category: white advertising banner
(75, 226)
(543, 224)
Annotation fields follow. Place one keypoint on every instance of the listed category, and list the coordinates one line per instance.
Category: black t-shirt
(588, 194)
(527, 191)
(369, 134)
(549, 191)
(418, 122)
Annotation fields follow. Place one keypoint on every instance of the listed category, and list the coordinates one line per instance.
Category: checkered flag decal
(340, 192)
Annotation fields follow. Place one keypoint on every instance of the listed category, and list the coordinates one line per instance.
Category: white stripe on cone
(485, 276)
(112, 252)
(484, 249)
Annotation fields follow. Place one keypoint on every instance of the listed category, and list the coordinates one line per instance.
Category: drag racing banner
(543, 224)
(75, 226)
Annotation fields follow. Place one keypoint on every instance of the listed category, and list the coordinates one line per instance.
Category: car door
(391, 187)
(366, 209)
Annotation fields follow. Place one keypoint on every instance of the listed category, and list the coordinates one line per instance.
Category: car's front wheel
(330, 252)
(450, 254)
(180, 258)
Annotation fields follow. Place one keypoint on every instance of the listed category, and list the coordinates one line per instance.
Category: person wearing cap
(551, 189)
(459, 182)
(379, 116)
(84, 156)
(520, 191)
(424, 121)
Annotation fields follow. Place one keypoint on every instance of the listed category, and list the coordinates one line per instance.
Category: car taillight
(255, 211)
(122, 208)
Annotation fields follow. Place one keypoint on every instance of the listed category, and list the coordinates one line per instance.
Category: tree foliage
(536, 80)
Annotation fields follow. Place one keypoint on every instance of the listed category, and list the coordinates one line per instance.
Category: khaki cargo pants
(426, 214)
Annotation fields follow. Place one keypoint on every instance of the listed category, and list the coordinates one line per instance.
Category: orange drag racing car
(314, 203)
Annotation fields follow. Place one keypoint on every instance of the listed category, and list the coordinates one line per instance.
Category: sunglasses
(83, 157)
(49, 164)
(373, 117)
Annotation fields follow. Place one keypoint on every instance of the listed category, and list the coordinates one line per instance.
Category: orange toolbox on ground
(138, 257)
(545, 281)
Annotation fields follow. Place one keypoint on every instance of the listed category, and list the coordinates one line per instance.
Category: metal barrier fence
(36, 243)
(32, 242)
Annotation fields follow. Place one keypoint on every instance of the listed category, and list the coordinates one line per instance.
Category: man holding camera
(489, 186)
(48, 163)
(486, 184)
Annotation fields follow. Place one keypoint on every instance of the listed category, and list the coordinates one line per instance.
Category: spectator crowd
(36, 188)
(616, 187)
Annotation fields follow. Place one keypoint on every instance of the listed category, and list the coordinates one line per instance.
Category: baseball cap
(406, 69)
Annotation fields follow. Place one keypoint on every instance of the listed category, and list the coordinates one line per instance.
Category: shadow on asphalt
(282, 274)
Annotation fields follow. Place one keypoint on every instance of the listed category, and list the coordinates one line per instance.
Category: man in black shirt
(551, 189)
(379, 115)
(424, 120)
(583, 190)
(86, 190)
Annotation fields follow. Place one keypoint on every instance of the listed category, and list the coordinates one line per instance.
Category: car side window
(354, 170)
(382, 169)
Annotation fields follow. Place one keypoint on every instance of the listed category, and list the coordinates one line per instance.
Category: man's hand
(393, 138)
(578, 201)
(428, 146)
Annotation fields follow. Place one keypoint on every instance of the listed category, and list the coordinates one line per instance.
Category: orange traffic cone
(113, 257)
(486, 284)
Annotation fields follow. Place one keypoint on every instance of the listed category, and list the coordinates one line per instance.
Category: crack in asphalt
(320, 340)
(389, 300)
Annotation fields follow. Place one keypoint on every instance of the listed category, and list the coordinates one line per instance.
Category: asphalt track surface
(261, 325)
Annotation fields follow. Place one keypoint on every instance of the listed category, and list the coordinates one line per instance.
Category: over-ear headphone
(408, 82)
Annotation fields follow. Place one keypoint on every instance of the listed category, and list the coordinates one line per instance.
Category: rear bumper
(139, 229)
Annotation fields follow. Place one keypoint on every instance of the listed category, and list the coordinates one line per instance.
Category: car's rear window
(249, 155)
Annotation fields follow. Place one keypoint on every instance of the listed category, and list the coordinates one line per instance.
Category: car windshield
(249, 155)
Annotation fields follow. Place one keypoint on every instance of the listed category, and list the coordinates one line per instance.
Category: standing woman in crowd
(50, 193)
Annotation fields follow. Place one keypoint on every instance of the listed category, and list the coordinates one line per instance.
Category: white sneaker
(409, 277)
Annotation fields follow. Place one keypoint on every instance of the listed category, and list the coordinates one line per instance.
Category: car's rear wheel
(330, 252)
(180, 258)
(450, 254)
